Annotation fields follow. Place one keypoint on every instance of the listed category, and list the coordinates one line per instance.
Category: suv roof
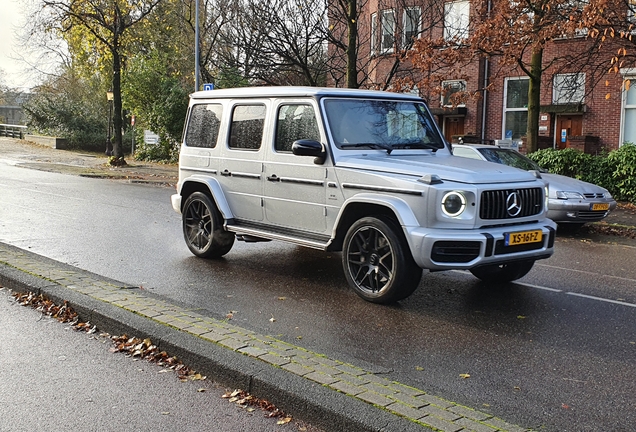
(253, 92)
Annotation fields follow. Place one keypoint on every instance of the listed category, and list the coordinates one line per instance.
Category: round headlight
(453, 203)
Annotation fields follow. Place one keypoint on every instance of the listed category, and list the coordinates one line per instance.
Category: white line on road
(602, 299)
(588, 272)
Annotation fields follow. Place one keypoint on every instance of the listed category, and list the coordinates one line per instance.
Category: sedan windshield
(381, 124)
(510, 158)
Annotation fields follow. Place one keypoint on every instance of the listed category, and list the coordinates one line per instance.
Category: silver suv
(362, 172)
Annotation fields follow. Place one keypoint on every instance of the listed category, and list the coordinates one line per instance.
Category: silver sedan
(570, 201)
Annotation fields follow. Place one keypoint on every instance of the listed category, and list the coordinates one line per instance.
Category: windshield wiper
(416, 145)
(386, 147)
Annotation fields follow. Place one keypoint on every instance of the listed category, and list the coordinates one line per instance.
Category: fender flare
(215, 190)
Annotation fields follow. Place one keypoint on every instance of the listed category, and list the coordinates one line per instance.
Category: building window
(631, 11)
(568, 88)
(450, 88)
(374, 33)
(388, 31)
(456, 20)
(411, 25)
(629, 112)
(515, 119)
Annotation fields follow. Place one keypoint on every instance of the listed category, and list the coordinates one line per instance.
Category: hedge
(615, 171)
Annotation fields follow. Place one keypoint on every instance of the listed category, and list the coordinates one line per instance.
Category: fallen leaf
(272, 319)
(521, 317)
(517, 388)
(565, 406)
(284, 421)
(464, 375)
(419, 368)
(282, 298)
(201, 390)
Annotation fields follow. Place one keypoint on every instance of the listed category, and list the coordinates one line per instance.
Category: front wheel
(202, 227)
(502, 273)
(377, 261)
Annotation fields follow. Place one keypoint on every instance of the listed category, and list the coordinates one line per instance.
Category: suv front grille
(498, 204)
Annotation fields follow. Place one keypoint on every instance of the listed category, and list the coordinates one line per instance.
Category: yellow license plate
(599, 207)
(523, 237)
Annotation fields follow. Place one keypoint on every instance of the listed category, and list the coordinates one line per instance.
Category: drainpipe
(485, 97)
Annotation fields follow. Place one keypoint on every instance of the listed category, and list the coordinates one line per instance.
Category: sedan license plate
(523, 237)
(599, 207)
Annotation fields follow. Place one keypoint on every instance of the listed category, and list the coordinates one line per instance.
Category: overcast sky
(16, 73)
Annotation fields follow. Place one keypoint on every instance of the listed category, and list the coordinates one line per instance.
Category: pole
(196, 47)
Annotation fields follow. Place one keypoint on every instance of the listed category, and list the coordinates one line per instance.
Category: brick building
(576, 110)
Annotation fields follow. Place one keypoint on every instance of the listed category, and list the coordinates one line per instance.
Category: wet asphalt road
(550, 352)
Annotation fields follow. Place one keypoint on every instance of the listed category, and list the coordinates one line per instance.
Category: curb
(328, 393)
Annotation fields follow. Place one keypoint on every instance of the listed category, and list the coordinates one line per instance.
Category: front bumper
(578, 211)
(175, 199)
(465, 249)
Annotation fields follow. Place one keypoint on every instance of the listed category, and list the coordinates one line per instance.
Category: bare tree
(514, 34)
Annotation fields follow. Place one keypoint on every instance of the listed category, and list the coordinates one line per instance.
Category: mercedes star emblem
(513, 204)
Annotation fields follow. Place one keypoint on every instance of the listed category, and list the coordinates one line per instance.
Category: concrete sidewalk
(326, 392)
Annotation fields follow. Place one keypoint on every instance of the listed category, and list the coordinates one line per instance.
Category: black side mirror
(307, 147)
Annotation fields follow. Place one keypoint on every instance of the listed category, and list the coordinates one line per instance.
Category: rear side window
(204, 124)
(246, 131)
(295, 122)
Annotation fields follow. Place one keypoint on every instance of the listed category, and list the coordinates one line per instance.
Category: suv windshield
(510, 158)
(381, 124)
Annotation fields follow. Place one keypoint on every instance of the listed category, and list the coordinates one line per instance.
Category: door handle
(273, 178)
(226, 173)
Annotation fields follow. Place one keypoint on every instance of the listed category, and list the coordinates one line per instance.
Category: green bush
(615, 171)
(622, 164)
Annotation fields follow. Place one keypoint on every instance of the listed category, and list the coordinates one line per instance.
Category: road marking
(588, 272)
(539, 287)
(602, 299)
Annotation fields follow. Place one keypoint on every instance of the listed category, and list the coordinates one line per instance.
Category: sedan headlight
(569, 195)
(453, 203)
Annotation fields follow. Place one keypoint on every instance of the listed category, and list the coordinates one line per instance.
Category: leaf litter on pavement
(144, 349)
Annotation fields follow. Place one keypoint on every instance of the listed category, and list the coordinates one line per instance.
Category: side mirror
(307, 147)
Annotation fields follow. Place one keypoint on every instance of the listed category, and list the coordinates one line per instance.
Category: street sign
(208, 86)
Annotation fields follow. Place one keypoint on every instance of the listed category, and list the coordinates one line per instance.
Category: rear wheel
(503, 273)
(377, 261)
(203, 229)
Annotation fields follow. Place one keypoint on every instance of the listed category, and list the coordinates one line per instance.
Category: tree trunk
(118, 151)
(534, 99)
(352, 29)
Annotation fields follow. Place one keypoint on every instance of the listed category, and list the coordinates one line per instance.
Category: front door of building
(453, 126)
(567, 126)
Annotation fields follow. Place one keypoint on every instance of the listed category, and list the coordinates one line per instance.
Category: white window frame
(568, 88)
(407, 21)
(505, 107)
(456, 19)
(389, 32)
(444, 96)
(374, 33)
(628, 74)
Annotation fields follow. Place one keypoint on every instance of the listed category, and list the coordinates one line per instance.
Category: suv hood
(447, 167)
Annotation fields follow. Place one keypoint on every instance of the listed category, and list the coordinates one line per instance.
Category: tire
(502, 273)
(203, 229)
(377, 261)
